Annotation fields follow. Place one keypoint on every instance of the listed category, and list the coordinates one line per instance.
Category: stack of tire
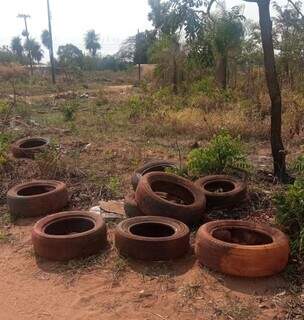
(158, 193)
(158, 229)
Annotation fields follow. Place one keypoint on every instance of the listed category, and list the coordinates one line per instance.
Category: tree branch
(296, 8)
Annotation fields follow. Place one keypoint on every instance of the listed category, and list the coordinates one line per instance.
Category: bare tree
(278, 151)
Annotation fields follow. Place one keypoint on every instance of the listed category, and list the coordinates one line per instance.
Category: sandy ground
(109, 287)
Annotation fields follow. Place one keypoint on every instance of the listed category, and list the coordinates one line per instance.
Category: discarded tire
(152, 238)
(242, 248)
(28, 147)
(69, 235)
(222, 191)
(157, 165)
(183, 200)
(131, 207)
(37, 198)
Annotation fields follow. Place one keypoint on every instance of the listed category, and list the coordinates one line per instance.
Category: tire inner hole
(69, 226)
(242, 236)
(152, 230)
(35, 190)
(172, 192)
(159, 168)
(32, 143)
(219, 186)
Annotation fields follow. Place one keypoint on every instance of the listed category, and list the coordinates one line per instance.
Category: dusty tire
(37, 198)
(131, 207)
(28, 147)
(150, 202)
(234, 191)
(152, 166)
(152, 238)
(242, 248)
(69, 235)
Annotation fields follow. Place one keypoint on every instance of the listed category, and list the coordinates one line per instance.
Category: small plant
(136, 107)
(222, 152)
(69, 110)
(290, 214)
(4, 143)
(114, 185)
(298, 165)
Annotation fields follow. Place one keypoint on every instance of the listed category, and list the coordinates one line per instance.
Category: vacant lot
(100, 133)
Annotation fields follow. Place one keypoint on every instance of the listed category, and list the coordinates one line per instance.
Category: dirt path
(110, 89)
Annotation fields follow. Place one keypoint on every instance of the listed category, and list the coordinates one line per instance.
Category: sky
(113, 20)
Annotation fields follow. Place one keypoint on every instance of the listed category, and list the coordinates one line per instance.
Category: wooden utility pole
(25, 17)
(51, 50)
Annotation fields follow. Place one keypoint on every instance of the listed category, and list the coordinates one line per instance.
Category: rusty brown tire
(69, 235)
(223, 191)
(29, 147)
(131, 207)
(37, 198)
(189, 207)
(152, 166)
(152, 238)
(242, 248)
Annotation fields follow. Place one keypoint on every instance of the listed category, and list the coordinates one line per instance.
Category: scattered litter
(113, 209)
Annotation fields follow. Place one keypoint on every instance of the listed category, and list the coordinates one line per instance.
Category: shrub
(298, 165)
(4, 143)
(222, 152)
(290, 214)
(69, 110)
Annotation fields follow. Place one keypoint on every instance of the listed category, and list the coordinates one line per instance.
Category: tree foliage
(92, 43)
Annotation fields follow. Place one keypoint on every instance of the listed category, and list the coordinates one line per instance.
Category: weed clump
(223, 152)
(290, 214)
(69, 110)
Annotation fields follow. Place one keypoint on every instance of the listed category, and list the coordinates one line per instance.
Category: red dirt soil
(112, 288)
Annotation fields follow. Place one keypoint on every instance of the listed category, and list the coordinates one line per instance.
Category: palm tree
(228, 32)
(17, 47)
(46, 39)
(92, 42)
(34, 47)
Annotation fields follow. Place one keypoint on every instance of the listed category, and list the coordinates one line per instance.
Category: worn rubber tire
(236, 259)
(223, 199)
(131, 207)
(152, 248)
(38, 204)
(150, 202)
(69, 246)
(152, 166)
(39, 145)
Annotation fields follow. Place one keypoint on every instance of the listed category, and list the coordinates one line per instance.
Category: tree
(70, 56)
(166, 53)
(34, 47)
(16, 47)
(227, 34)
(92, 42)
(220, 33)
(278, 151)
(46, 39)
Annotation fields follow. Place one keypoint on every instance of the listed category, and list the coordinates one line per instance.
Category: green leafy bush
(222, 152)
(290, 214)
(69, 110)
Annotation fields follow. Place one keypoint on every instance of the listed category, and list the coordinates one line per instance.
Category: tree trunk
(174, 75)
(51, 50)
(139, 72)
(278, 151)
(221, 71)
